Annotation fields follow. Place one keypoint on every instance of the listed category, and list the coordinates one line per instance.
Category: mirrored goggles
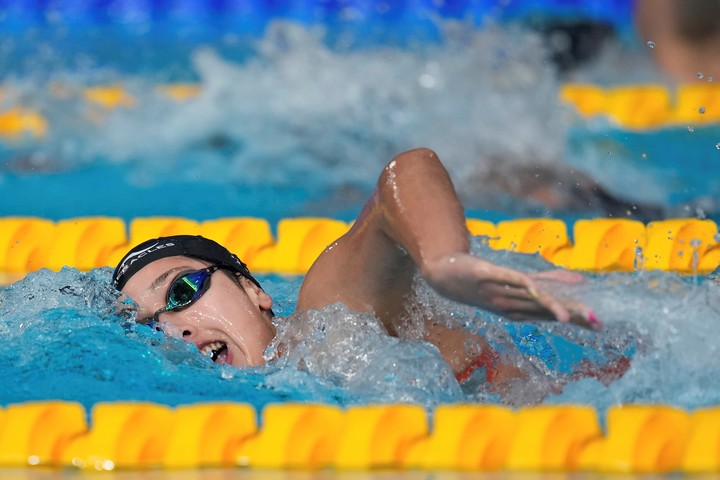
(185, 289)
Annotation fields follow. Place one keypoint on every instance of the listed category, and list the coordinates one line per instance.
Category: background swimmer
(686, 35)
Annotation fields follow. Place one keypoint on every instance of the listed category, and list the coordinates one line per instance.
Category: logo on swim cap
(134, 256)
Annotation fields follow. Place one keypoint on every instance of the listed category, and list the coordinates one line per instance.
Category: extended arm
(414, 220)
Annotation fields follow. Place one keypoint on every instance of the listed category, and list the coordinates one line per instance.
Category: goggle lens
(184, 291)
(187, 289)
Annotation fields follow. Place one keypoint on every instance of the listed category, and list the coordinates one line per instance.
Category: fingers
(554, 305)
(591, 323)
(503, 275)
(523, 298)
(517, 294)
(571, 311)
(579, 318)
(518, 286)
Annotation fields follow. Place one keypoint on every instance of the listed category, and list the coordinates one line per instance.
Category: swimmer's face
(231, 322)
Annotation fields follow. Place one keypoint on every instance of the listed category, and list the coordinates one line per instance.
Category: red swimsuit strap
(487, 359)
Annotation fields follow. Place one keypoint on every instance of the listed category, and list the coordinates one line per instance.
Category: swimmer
(194, 289)
(550, 186)
(685, 36)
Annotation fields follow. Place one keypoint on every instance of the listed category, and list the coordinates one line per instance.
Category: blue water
(67, 335)
(289, 124)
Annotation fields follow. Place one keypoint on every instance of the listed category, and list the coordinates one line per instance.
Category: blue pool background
(298, 120)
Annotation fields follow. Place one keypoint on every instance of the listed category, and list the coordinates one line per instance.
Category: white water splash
(298, 107)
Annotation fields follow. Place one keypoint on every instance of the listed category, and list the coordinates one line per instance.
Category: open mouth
(216, 351)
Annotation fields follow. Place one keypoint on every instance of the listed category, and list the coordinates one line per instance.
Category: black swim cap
(193, 246)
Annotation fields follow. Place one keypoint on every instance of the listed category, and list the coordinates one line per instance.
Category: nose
(180, 327)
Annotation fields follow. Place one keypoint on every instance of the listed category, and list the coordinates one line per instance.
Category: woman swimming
(413, 222)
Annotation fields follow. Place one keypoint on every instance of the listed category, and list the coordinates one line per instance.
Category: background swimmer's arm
(414, 219)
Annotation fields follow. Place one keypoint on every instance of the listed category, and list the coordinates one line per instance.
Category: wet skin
(232, 311)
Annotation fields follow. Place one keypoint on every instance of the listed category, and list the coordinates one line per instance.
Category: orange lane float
(466, 437)
(37, 433)
(639, 439)
(685, 245)
(293, 436)
(123, 435)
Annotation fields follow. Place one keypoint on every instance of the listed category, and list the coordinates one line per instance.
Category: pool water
(286, 125)
(67, 336)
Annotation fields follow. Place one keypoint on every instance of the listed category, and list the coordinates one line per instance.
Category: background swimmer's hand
(469, 279)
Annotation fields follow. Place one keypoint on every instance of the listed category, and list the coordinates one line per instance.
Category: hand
(469, 279)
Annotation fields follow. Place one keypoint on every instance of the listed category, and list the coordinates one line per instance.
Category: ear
(257, 295)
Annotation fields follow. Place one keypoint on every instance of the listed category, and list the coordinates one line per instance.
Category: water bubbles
(700, 75)
(318, 342)
(690, 128)
(701, 110)
(639, 260)
(651, 44)
(416, 86)
(717, 146)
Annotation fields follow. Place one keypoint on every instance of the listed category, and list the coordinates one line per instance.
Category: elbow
(415, 162)
(421, 155)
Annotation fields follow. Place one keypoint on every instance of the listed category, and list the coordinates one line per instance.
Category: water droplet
(644, 155)
(700, 75)
(651, 44)
(639, 258)
(710, 79)
(717, 145)
(691, 129)
(701, 110)
(426, 80)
